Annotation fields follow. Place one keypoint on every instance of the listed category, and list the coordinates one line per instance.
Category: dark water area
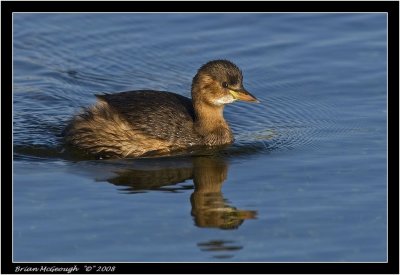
(305, 180)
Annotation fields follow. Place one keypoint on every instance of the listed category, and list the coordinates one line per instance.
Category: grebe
(156, 123)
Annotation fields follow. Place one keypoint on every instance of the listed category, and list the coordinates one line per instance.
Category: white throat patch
(224, 100)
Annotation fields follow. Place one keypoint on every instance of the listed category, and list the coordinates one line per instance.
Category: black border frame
(390, 7)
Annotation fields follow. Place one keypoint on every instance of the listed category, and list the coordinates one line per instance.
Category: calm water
(304, 181)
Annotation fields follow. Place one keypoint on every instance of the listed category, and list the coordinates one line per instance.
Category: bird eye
(224, 84)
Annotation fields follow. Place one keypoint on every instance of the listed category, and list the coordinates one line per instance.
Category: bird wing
(159, 114)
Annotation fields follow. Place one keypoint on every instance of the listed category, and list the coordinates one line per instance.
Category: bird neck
(210, 119)
(209, 115)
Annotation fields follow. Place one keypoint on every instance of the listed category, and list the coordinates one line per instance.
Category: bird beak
(243, 95)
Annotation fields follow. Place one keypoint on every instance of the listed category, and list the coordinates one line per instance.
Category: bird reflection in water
(223, 249)
(209, 207)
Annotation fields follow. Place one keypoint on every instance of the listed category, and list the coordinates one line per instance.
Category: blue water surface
(305, 181)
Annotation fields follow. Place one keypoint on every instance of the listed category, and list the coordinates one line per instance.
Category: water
(305, 180)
